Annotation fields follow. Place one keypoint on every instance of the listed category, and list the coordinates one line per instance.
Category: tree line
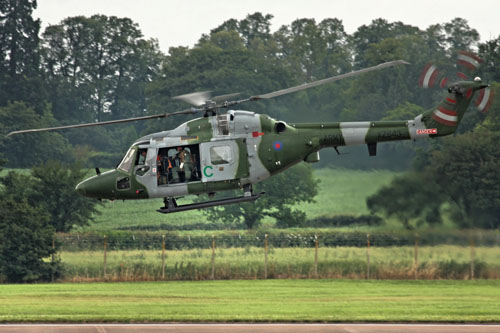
(97, 68)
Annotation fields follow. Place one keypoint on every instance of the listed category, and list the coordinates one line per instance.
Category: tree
(54, 191)
(25, 241)
(30, 149)
(282, 191)
(25, 234)
(466, 169)
(20, 78)
(409, 198)
(98, 67)
(459, 35)
(219, 63)
(254, 26)
(376, 32)
(489, 52)
(463, 173)
(313, 51)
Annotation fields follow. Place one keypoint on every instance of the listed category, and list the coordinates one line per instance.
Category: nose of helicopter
(100, 186)
(81, 188)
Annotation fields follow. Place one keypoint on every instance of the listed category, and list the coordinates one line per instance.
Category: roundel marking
(277, 145)
(207, 169)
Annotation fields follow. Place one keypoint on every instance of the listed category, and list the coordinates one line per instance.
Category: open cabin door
(223, 160)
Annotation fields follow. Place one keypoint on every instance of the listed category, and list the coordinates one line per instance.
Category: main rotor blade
(328, 80)
(119, 121)
(223, 98)
(199, 98)
(196, 98)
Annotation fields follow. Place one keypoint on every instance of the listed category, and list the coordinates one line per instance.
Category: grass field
(434, 262)
(254, 301)
(341, 191)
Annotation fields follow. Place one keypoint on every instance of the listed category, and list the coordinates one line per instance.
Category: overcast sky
(181, 22)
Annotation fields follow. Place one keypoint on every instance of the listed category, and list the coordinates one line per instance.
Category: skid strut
(172, 207)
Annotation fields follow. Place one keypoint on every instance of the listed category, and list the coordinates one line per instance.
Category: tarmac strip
(244, 328)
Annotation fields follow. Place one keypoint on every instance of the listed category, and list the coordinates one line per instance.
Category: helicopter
(236, 149)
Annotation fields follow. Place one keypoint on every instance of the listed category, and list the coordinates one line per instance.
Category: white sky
(182, 22)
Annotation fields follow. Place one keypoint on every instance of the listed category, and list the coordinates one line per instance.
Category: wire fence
(143, 256)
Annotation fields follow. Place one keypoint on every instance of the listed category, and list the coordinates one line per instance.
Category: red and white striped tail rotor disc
(428, 76)
(484, 100)
(443, 82)
(469, 60)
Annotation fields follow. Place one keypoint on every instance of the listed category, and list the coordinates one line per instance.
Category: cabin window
(126, 163)
(178, 164)
(221, 155)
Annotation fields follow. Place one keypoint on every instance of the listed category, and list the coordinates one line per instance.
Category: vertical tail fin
(446, 117)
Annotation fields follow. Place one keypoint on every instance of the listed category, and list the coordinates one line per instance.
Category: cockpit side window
(126, 163)
(141, 157)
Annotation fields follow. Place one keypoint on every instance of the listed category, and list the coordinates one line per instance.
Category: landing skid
(172, 207)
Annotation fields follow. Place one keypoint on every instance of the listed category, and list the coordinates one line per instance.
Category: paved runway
(247, 328)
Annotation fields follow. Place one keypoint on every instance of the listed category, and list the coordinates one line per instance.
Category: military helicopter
(236, 149)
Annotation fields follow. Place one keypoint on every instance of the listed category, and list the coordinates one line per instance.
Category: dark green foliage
(97, 69)
(344, 221)
(30, 149)
(104, 160)
(297, 184)
(452, 269)
(319, 222)
(25, 234)
(51, 188)
(32, 208)
(98, 64)
(54, 191)
(101, 68)
(20, 78)
(459, 35)
(463, 173)
(490, 53)
(124, 240)
(409, 197)
(25, 241)
(466, 170)
(169, 226)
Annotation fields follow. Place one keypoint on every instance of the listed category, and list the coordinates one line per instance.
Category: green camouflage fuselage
(238, 148)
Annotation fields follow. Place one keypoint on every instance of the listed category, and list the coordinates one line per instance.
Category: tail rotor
(467, 63)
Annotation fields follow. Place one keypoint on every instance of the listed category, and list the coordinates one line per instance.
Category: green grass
(344, 191)
(341, 191)
(254, 301)
(434, 262)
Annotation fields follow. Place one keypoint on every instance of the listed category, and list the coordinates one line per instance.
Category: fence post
(472, 258)
(163, 257)
(368, 256)
(213, 257)
(415, 258)
(105, 248)
(265, 257)
(316, 241)
(53, 257)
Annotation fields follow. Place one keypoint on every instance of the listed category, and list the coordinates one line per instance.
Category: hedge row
(122, 240)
